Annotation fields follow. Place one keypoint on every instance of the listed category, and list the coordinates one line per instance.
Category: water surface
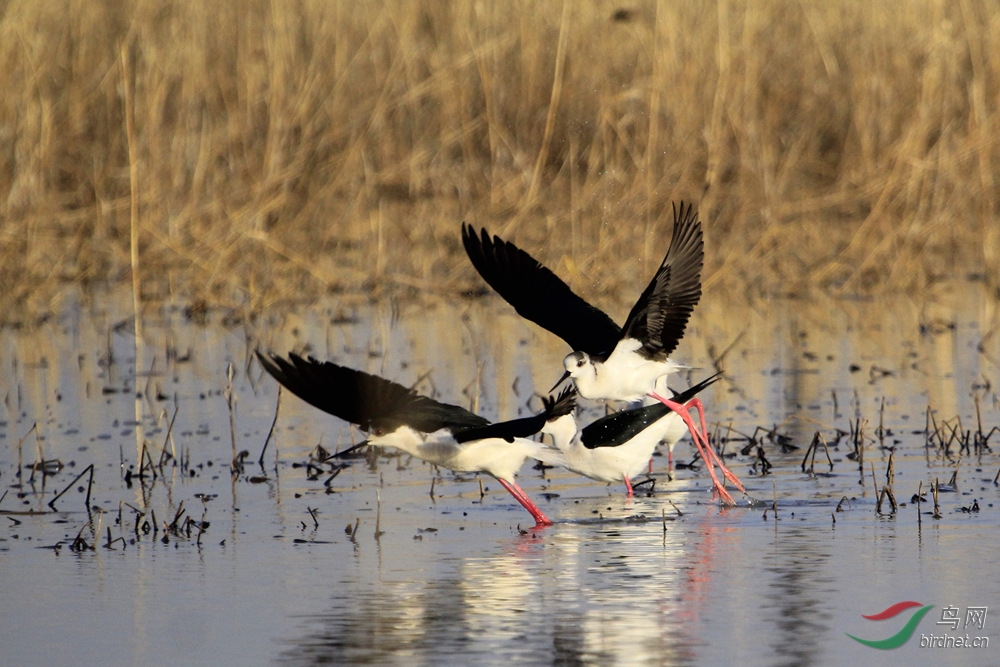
(395, 562)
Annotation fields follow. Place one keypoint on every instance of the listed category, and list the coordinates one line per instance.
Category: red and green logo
(903, 635)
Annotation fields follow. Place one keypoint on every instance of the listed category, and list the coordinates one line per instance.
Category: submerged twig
(352, 531)
(90, 469)
(80, 544)
(41, 454)
(270, 432)
(880, 431)
(918, 499)
(230, 403)
(934, 492)
(859, 445)
(812, 449)
(890, 471)
(168, 439)
(676, 509)
(202, 526)
(336, 471)
(886, 494)
(144, 457)
(809, 450)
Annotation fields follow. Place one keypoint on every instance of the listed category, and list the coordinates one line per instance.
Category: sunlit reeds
(281, 151)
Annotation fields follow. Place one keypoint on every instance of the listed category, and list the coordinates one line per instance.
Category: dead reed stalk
(935, 485)
(237, 463)
(168, 439)
(275, 151)
(270, 431)
(811, 450)
(90, 485)
(133, 175)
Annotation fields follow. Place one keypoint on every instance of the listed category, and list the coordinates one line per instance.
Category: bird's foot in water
(650, 482)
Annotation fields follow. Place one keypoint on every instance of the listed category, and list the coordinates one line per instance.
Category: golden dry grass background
(278, 151)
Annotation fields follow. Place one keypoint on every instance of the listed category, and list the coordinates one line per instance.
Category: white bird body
(494, 456)
(610, 464)
(623, 376)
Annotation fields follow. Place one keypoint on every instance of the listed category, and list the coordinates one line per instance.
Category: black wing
(539, 295)
(620, 427)
(526, 426)
(661, 314)
(364, 399)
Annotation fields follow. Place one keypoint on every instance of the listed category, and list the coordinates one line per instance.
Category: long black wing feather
(539, 295)
(364, 399)
(620, 427)
(661, 314)
(524, 427)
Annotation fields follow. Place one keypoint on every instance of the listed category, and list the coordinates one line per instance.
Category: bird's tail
(558, 406)
(548, 454)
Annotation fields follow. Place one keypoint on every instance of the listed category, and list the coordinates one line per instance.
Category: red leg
(730, 475)
(522, 497)
(628, 486)
(701, 442)
(670, 461)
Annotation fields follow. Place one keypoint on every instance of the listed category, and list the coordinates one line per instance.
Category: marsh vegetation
(254, 154)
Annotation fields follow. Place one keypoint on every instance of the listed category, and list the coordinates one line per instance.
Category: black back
(620, 427)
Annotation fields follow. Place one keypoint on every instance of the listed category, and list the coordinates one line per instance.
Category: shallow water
(404, 564)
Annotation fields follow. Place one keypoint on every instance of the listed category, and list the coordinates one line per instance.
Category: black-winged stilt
(442, 434)
(608, 361)
(618, 446)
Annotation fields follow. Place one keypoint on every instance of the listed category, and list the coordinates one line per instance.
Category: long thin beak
(363, 443)
(565, 376)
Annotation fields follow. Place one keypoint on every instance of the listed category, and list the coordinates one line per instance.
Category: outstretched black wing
(539, 295)
(620, 427)
(661, 314)
(526, 426)
(364, 399)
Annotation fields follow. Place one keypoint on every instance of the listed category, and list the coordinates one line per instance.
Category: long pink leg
(522, 497)
(730, 475)
(670, 461)
(628, 486)
(700, 442)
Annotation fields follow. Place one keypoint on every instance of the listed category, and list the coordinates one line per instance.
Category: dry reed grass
(286, 150)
